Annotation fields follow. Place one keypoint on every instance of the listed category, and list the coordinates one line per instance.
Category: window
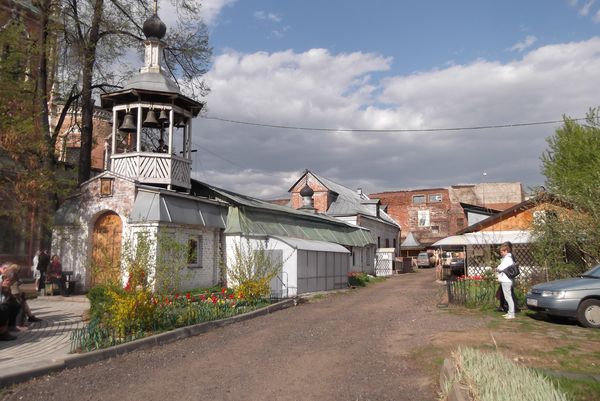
(378, 242)
(195, 252)
(435, 198)
(423, 218)
(435, 229)
(418, 199)
(387, 242)
(394, 243)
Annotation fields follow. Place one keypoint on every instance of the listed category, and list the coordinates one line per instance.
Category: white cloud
(596, 17)
(212, 8)
(524, 44)
(263, 15)
(585, 10)
(317, 88)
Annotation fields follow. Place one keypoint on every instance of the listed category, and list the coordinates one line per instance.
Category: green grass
(578, 389)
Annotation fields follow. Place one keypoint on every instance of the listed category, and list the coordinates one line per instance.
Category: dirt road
(363, 344)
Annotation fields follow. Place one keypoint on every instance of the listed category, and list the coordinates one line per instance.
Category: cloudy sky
(328, 69)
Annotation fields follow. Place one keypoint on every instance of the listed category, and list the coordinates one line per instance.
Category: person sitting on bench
(55, 276)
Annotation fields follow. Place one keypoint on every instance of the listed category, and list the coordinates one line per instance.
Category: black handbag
(512, 271)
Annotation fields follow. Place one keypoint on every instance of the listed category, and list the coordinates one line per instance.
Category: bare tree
(100, 38)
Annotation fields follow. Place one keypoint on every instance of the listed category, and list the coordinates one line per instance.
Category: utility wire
(479, 127)
(230, 161)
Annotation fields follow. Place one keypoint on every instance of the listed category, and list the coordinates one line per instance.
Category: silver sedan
(578, 298)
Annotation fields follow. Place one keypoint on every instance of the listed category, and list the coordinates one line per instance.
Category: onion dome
(306, 191)
(154, 28)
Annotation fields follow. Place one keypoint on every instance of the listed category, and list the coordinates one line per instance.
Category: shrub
(130, 311)
(358, 279)
(251, 269)
(100, 298)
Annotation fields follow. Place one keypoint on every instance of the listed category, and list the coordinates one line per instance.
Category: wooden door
(106, 249)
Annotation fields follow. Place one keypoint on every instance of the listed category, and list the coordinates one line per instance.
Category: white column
(114, 132)
(138, 131)
(188, 132)
(138, 136)
(171, 130)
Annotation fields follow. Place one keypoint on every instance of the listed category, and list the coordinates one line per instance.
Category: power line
(479, 127)
(230, 161)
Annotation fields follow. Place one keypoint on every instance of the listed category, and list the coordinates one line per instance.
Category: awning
(158, 206)
(312, 245)
(454, 240)
(486, 238)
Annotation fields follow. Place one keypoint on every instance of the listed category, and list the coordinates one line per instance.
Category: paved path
(46, 341)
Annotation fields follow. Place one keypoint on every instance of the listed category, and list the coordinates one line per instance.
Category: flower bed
(122, 315)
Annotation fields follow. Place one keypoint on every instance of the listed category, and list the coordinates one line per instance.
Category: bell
(128, 124)
(163, 117)
(151, 120)
(180, 123)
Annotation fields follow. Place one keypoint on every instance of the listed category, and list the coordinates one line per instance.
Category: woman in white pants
(505, 282)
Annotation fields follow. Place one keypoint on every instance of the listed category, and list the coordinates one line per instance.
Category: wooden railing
(153, 168)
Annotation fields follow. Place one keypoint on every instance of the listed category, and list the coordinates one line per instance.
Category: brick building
(68, 142)
(431, 214)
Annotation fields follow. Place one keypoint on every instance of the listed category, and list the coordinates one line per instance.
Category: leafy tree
(29, 174)
(571, 165)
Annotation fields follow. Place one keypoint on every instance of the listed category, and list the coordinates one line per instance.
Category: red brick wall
(72, 140)
(322, 197)
(443, 214)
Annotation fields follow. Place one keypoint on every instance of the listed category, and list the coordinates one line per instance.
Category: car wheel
(588, 313)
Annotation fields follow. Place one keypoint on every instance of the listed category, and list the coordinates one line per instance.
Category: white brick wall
(73, 243)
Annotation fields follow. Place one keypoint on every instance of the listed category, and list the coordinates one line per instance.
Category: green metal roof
(251, 216)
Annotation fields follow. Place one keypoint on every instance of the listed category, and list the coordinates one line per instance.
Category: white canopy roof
(486, 237)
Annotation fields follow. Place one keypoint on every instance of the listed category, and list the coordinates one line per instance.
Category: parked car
(457, 266)
(424, 260)
(454, 262)
(577, 298)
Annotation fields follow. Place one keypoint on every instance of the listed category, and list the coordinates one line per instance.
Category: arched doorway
(106, 249)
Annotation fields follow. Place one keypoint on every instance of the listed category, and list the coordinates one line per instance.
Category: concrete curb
(26, 372)
(44, 367)
(458, 391)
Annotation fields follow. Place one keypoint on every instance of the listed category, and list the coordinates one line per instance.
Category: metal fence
(482, 257)
(471, 293)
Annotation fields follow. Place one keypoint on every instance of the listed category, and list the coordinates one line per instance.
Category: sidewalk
(46, 342)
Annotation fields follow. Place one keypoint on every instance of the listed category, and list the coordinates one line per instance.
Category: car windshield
(593, 273)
